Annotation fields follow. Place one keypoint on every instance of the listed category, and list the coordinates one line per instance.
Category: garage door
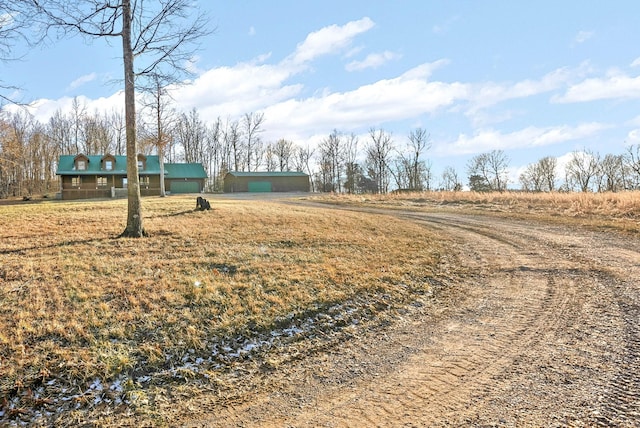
(185, 187)
(259, 186)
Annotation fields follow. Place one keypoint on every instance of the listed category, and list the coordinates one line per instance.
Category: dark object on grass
(202, 204)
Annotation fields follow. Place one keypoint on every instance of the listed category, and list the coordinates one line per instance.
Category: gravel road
(542, 329)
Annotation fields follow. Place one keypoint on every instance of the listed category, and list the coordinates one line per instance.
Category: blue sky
(533, 79)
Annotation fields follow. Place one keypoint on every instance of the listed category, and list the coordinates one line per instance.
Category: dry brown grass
(620, 211)
(87, 318)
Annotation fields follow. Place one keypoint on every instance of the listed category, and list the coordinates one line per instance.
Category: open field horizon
(97, 326)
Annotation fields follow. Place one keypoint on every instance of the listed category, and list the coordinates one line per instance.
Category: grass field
(97, 326)
(619, 211)
(92, 322)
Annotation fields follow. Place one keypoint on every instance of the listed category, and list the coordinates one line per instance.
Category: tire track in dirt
(543, 332)
(461, 369)
(616, 265)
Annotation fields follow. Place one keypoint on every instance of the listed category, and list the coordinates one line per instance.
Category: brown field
(97, 328)
(95, 323)
(619, 211)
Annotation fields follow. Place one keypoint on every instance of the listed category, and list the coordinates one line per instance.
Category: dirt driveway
(542, 330)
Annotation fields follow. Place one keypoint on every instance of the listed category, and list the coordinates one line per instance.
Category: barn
(287, 181)
(184, 177)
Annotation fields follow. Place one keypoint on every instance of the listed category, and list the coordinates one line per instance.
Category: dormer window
(81, 163)
(108, 163)
(142, 162)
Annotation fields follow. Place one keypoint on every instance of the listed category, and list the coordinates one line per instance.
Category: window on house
(101, 181)
(75, 181)
(140, 164)
(108, 165)
(124, 183)
(144, 181)
(81, 165)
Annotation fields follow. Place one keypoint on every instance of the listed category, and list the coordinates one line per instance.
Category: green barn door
(259, 186)
(185, 187)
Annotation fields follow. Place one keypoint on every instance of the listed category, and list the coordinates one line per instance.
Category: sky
(532, 79)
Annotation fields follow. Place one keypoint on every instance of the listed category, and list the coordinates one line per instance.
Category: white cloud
(489, 139)
(82, 80)
(331, 39)
(487, 94)
(44, 109)
(191, 65)
(583, 36)
(634, 122)
(616, 86)
(373, 60)
(445, 26)
(407, 96)
(633, 137)
(636, 62)
(232, 91)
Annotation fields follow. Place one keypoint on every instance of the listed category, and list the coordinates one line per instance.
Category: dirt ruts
(541, 329)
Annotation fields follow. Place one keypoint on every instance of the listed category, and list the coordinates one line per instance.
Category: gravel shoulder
(541, 329)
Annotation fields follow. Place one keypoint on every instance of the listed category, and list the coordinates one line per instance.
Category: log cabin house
(105, 176)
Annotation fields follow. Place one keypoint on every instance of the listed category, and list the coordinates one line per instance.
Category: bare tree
(215, 165)
(232, 137)
(78, 113)
(352, 169)
(331, 152)
(540, 176)
(15, 23)
(489, 171)
(611, 175)
(283, 150)
(419, 142)
(632, 163)
(302, 162)
(378, 158)
(163, 119)
(13, 153)
(252, 127)
(270, 161)
(97, 134)
(60, 130)
(118, 126)
(548, 169)
(450, 180)
(411, 172)
(191, 133)
(156, 34)
(531, 180)
(582, 169)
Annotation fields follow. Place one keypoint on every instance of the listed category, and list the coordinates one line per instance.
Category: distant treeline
(341, 162)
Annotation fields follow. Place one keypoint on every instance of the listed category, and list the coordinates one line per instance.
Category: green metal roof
(184, 170)
(268, 174)
(66, 166)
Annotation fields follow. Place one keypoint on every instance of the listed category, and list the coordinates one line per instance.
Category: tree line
(341, 162)
(585, 171)
(29, 149)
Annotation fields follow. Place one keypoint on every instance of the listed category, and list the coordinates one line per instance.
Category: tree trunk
(134, 227)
